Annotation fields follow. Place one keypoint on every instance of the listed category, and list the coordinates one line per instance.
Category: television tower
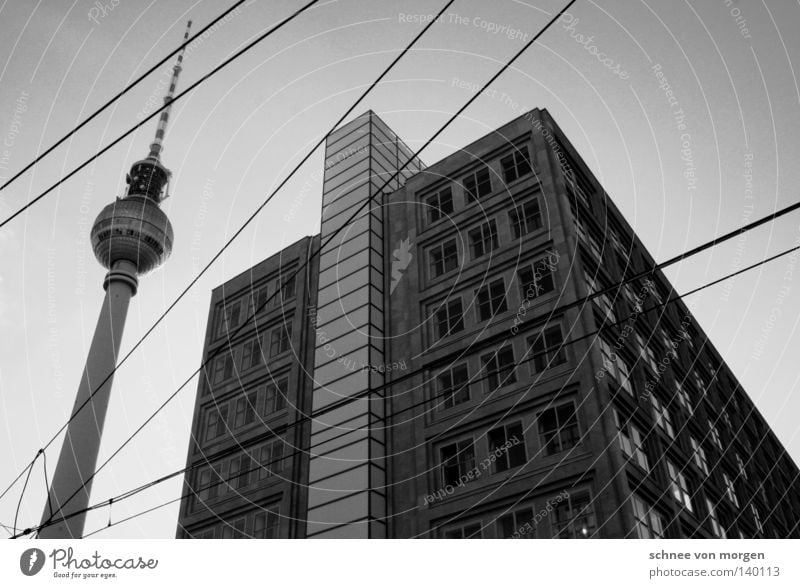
(130, 237)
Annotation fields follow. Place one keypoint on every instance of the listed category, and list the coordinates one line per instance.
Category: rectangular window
(252, 355)
(229, 318)
(574, 517)
(717, 529)
(558, 428)
(730, 490)
(266, 524)
(679, 487)
(683, 397)
(547, 349)
(602, 302)
(449, 318)
(614, 365)
(525, 218)
(491, 300)
(456, 460)
(648, 524)
(483, 239)
(224, 367)
(699, 456)
(477, 184)
(662, 416)
(245, 409)
(452, 386)
(632, 442)
(443, 258)
(287, 286)
(439, 205)
(471, 531)
(507, 443)
(516, 164)
(757, 519)
(235, 530)
(536, 279)
(517, 525)
(742, 469)
(499, 368)
(258, 300)
(216, 421)
(275, 394)
(712, 430)
(280, 339)
(647, 354)
(270, 459)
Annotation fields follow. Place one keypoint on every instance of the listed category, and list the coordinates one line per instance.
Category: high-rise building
(437, 371)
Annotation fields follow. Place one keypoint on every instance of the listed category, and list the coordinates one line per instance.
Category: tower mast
(131, 236)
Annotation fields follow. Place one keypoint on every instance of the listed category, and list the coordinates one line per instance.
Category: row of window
(482, 240)
(233, 313)
(254, 352)
(572, 517)
(261, 524)
(557, 428)
(262, 402)
(499, 368)
(477, 184)
(535, 279)
(232, 475)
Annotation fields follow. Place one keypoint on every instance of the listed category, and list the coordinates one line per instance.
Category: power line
(235, 56)
(283, 458)
(230, 241)
(116, 97)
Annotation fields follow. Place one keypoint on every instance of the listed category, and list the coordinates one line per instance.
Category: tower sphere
(132, 229)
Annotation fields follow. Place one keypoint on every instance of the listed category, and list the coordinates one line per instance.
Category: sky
(687, 112)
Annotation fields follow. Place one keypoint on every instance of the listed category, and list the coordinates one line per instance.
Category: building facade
(448, 377)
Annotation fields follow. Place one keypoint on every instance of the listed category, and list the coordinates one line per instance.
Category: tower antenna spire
(158, 143)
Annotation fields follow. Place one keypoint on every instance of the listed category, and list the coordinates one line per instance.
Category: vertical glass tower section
(347, 472)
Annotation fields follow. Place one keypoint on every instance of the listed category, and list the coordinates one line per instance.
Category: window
(558, 428)
(548, 349)
(229, 318)
(508, 445)
(443, 258)
(239, 472)
(235, 530)
(483, 239)
(286, 286)
(616, 366)
(252, 355)
(742, 469)
(662, 416)
(258, 300)
(712, 430)
(491, 300)
(207, 534)
(499, 368)
(648, 524)
(574, 517)
(647, 354)
(223, 367)
(634, 300)
(457, 459)
(439, 204)
(517, 525)
(678, 486)
(631, 441)
(717, 529)
(536, 279)
(449, 318)
(730, 490)
(270, 459)
(275, 396)
(699, 456)
(207, 485)
(477, 184)
(516, 164)
(683, 397)
(589, 241)
(452, 386)
(471, 531)
(266, 524)
(525, 218)
(280, 339)
(216, 421)
(603, 302)
(245, 409)
(757, 519)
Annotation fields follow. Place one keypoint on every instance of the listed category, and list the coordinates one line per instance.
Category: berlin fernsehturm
(131, 236)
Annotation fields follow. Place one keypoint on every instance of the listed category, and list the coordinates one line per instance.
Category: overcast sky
(234, 138)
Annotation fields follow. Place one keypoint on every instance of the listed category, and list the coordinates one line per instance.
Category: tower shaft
(78, 457)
